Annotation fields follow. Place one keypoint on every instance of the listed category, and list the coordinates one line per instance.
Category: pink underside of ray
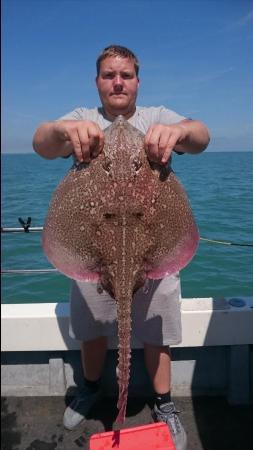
(172, 263)
(176, 261)
(79, 273)
(72, 268)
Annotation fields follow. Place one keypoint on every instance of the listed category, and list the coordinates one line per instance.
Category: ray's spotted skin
(120, 220)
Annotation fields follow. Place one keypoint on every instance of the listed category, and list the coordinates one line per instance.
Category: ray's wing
(173, 229)
(71, 222)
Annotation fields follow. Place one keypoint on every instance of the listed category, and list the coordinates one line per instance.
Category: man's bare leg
(158, 363)
(93, 355)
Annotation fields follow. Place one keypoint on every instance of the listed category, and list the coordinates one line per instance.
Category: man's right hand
(84, 136)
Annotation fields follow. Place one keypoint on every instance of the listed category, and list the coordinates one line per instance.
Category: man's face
(117, 85)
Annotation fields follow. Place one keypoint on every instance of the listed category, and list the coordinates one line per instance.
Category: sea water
(219, 186)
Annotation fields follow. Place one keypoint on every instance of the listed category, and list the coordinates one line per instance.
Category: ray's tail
(124, 355)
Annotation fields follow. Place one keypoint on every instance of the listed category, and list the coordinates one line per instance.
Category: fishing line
(215, 241)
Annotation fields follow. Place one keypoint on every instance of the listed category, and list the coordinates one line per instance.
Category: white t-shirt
(141, 119)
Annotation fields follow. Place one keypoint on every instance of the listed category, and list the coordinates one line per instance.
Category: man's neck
(112, 116)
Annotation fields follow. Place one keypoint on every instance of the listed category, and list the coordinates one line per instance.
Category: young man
(80, 133)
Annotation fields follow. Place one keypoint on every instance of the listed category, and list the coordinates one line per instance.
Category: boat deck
(35, 423)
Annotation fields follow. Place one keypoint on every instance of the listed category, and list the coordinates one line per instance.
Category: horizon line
(204, 151)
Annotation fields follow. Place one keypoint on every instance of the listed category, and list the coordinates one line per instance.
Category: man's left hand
(160, 141)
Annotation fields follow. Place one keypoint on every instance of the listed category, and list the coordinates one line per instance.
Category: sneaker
(168, 414)
(76, 412)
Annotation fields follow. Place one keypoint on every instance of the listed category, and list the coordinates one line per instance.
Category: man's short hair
(117, 50)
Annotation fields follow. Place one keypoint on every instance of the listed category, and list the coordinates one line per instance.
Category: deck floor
(35, 423)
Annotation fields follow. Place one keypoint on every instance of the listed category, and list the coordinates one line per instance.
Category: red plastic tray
(155, 436)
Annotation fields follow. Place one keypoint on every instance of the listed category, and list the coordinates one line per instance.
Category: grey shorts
(156, 316)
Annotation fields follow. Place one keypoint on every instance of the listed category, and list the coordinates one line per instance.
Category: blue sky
(196, 58)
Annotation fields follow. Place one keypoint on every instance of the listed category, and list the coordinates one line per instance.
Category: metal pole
(24, 271)
(20, 230)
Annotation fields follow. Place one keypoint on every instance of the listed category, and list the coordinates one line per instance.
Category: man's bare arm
(187, 136)
(197, 137)
(84, 138)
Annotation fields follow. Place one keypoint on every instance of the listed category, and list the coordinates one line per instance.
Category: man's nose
(118, 82)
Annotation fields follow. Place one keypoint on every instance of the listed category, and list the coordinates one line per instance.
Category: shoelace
(170, 416)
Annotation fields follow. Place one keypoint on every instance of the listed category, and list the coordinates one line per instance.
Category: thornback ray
(120, 220)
